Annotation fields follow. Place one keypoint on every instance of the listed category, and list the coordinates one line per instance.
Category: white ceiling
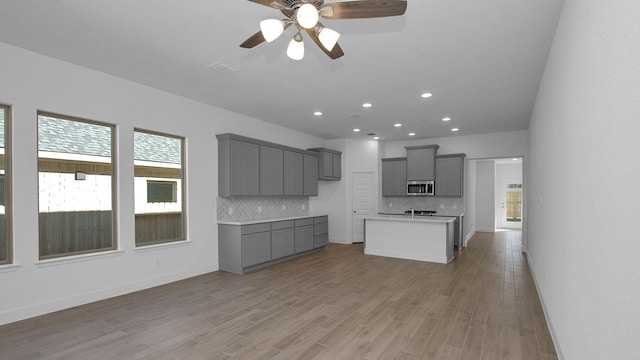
(482, 60)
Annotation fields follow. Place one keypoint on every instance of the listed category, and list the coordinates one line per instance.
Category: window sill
(9, 268)
(172, 244)
(78, 258)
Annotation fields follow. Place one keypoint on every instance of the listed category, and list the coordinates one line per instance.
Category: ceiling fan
(304, 15)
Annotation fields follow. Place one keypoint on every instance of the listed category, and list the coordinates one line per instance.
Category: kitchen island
(407, 237)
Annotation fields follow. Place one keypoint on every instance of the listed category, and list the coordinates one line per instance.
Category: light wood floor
(337, 304)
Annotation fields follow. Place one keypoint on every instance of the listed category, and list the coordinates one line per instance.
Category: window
(159, 188)
(5, 186)
(514, 202)
(76, 190)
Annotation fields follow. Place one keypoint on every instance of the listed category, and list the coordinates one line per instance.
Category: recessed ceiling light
(397, 125)
(427, 95)
(455, 129)
(412, 134)
(515, 159)
(376, 138)
(318, 113)
(367, 105)
(446, 119)
(356, 130)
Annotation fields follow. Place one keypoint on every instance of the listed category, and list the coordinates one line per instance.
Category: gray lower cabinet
(303, 235)
(320, 231)
(282, 239)
(450, 175)
(394, 177)
(246, 247)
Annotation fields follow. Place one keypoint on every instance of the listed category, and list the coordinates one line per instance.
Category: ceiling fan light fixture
(271, 29)
(295, 51)
(307, 16)
(328, 38)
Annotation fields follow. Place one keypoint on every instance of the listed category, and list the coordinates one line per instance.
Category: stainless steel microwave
(420, 188)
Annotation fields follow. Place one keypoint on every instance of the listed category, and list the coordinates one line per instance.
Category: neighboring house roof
(73, 137)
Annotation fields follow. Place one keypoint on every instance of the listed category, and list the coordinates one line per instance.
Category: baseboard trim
(552, 330)
(30, 311)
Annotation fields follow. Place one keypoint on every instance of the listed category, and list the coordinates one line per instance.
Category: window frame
(114, 183)
(182, 190)
(8, 181)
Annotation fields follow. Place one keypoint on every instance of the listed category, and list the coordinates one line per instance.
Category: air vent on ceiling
(355, 116)
(371, 134)
(221, 68)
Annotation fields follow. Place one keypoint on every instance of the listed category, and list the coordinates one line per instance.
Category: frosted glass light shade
(328, 38)
(271, 29)
(295, 51)
(307, 16)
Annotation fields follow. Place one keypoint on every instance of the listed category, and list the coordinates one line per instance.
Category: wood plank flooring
(336, 304)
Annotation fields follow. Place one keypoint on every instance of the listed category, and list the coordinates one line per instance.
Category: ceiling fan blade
(253, 40)
(335, 53)
(276, 4)
(363, 9)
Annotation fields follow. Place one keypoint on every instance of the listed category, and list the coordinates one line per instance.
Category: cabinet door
(320, 241)
(442, 177)
(271, 171)
(293, 173)
(394, 178)
(420, 164)
(336, 163)
(244, 168)
(282, 243)
(310, 174)
(449, 176)
(303, 238)
(327, 164)
(256, 248)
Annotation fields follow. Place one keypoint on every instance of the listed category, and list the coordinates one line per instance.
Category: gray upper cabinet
(421, 162)
(293, 173)
(238, 172)
(450, 175)
(310, 175)
(271, 171)
(251, 167)
(394, 177)
(330, 164)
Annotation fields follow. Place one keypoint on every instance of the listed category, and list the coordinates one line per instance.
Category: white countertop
(267, 220)
(407, 218)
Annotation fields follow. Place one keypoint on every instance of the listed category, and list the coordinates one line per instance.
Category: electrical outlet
(158, 262)
(284, 207)
(259, 209)
(303, 207)
(230, 211)
(455, 206)
(390, 205)
(441, 206)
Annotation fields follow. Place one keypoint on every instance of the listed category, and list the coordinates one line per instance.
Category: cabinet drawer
(319, 229)
(304, 222)
(255, 228)
(278, 225)
(320, 219)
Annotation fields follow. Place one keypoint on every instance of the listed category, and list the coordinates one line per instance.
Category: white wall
(583, 182)
(32, 82)
(483, 146)
(335, 197)
(485, 195)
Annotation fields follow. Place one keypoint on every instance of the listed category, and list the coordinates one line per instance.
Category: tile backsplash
(258, 207)
(443, 205)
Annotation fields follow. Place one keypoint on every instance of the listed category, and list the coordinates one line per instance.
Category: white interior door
(510, 204)
(361, 201)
